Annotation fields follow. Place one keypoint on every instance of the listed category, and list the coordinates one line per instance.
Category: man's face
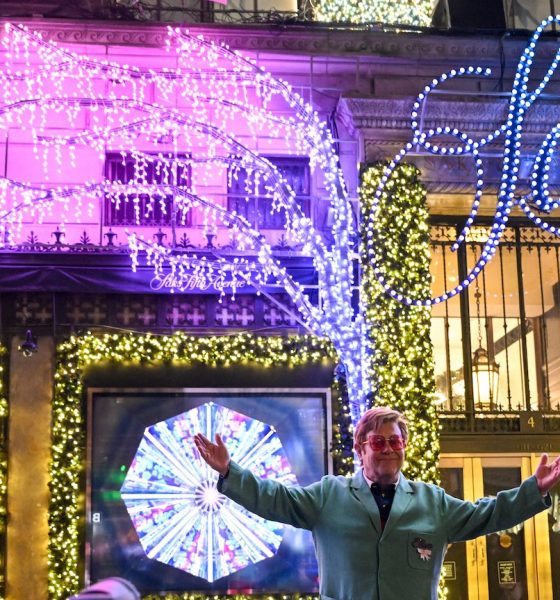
(384, 465)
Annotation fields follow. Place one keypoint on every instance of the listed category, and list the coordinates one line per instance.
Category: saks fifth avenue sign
(189, 282)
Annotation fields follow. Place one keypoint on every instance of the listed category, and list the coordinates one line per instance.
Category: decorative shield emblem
(170, 493)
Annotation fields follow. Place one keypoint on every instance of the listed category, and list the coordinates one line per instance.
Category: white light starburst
(170, 493)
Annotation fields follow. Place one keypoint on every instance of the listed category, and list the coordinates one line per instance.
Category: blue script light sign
(538, 199)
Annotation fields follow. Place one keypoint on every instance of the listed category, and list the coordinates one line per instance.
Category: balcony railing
(500, 422)
(165, 11)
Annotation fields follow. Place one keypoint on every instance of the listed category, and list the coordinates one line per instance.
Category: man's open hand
(547, 474)
(216, 455)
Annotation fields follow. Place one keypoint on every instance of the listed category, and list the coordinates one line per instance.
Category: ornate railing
(500, 421)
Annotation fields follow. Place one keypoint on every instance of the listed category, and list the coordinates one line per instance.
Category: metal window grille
(250, 197)
(513, 312)
(142, 209)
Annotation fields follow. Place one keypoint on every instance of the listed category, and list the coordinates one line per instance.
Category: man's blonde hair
(372, 420)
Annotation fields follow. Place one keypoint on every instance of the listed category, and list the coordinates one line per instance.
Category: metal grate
(141, 209)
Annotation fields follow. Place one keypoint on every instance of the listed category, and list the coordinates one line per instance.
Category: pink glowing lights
(209, 112)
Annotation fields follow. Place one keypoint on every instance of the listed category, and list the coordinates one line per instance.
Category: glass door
(547, 542)
(502, 555)
(457, 572)
(508, 565)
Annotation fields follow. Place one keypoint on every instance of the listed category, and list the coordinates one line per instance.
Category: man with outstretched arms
(377, 535)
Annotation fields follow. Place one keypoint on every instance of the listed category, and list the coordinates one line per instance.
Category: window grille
(249, 198)
(137, 209)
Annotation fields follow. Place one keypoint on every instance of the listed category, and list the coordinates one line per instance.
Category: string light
(68, 434)
(343, 430)
(221, 106)
(521, 100)
(401, 357)
(405, 12)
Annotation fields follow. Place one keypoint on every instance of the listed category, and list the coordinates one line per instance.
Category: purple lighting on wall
(209, 113)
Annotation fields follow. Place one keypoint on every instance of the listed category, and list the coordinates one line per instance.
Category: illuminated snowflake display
(170, 493)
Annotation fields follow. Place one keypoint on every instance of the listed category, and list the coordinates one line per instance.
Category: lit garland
(404, 12)
(401, 364)
(68, 436)
(3, 454)
(342, 450)
(221, 106)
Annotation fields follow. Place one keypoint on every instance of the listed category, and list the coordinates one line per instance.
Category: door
(509, 565)
(455, 476)
(547, 542)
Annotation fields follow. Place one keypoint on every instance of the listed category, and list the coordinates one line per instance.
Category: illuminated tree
(208, 116)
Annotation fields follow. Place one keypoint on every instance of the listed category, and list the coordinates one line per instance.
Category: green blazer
(359, 561)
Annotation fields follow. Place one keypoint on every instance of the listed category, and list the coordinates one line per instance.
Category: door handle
(482, 552)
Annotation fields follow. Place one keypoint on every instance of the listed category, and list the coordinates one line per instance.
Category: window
(137, 209)
(254, 202)
(511, 312)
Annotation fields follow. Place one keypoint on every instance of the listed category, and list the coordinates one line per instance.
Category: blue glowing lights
(539, 199)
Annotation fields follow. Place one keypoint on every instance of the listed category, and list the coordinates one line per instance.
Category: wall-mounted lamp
(29, 346)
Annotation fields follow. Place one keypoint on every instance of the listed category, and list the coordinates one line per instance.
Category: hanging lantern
(486, 379)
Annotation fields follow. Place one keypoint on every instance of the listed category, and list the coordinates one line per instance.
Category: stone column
(29, 431)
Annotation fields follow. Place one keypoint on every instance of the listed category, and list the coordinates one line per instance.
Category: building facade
(67, 271)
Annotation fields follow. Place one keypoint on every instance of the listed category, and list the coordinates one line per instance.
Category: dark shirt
(383, 495)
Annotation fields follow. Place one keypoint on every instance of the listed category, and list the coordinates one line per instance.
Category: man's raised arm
(295, 505)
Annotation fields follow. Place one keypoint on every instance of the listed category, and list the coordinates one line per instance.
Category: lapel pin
(423, 548)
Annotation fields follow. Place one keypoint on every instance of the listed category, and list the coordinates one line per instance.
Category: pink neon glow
(203, 110)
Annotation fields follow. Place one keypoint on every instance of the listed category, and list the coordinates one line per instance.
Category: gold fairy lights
(401, 354)
(404, 12)
(68, 436)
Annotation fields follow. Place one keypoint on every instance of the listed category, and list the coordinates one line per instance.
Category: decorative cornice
(477, 114)
(369, 43)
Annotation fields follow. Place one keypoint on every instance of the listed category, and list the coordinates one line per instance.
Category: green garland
(68, 436)
(401, 365)
(403, 12)
(3, 461)
(342, 450)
